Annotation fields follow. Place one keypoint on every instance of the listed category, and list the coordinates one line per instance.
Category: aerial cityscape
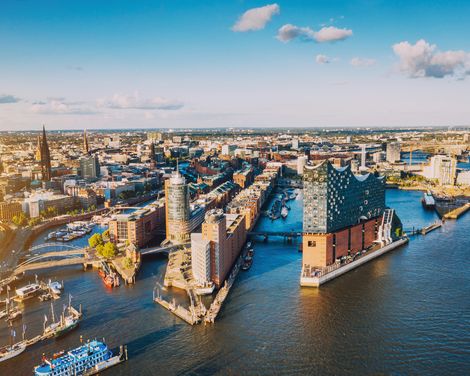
(291, 197)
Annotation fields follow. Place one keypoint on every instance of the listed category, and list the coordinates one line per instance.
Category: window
(312, 243)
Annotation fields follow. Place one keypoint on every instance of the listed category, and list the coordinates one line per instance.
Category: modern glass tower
(177, 209)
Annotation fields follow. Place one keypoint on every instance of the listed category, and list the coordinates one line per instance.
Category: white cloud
(323, 59)
(332, 34)
(362, 62)
(256, 18)
(7, 98)
(424, 60)
(60, 107)
(121, 101)
(289, 32)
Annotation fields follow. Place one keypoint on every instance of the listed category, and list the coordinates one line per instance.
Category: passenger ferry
(28, 291)
(88, 359)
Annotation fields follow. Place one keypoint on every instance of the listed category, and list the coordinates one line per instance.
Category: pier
(431, 227)
(456, 213)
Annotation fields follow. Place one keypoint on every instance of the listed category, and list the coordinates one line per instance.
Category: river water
(407, 312)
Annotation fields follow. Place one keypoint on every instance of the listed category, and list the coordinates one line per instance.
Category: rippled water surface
(407, 312)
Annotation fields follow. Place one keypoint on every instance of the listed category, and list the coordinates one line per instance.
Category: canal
(407, 312)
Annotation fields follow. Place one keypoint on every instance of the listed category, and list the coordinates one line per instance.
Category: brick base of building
(320, 250)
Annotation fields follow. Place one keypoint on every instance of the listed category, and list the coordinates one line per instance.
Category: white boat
(9, 352)
(28, 291)
(55, 287)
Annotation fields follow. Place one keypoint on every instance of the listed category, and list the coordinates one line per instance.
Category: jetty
(431, 227)
(456, 213)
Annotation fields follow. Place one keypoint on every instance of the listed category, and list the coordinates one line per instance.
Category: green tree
(95, 240)
(99, 249)
(109, 250)
(20, 219)
(34, 221)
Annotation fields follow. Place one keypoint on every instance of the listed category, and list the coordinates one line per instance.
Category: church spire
(45, 157)
(38, 149)
(86, 148)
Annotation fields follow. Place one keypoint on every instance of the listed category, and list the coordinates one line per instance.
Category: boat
(14, 349)
(428, 201)
(111, 280)
(13, 313)
(9, 352)
(65, 324)
(247, 262)
(44, 297)
(87, 359)
(55, 287)
(284, 212)
(28, 291)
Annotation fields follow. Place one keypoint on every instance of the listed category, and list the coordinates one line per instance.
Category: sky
(223, 63)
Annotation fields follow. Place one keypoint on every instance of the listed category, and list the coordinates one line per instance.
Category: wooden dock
(431, 227)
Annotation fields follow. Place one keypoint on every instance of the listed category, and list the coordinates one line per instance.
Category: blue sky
(111, 64)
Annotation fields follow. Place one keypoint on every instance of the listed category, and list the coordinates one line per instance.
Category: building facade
(393, 152)
(342, 213)
(138, 227)
(90, 167)
(178, 213)
(9, 209)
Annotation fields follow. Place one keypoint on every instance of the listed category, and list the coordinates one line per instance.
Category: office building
(139, 227)
(178, 211)
(393, 152)
(216, 249)
(8, 210)
(90, 167)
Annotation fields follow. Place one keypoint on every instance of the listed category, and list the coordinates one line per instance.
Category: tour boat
(28, 291)
(428, 201)
(87, 359)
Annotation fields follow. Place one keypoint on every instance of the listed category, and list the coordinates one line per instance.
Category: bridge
(161, 250)
(72, 256)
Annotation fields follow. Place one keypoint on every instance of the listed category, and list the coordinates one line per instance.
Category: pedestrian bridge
(160, 250)
(70, 256)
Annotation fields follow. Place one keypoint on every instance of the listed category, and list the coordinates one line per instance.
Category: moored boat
(87, 359)
(9, 352)
(28, 291)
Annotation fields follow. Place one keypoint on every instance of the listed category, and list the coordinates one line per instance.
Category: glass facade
(336, 198)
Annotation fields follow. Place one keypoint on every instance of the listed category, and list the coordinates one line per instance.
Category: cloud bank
(6, 98)
(425, 60)
(135, 102)
(289, 32)
(256, 18)
(58, 106)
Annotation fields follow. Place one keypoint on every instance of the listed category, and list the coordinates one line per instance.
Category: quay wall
(317, 281)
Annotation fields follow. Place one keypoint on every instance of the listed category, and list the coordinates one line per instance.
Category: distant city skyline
(185, 64)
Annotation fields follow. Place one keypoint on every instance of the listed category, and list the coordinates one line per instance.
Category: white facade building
(441, 168)
(201, 258)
